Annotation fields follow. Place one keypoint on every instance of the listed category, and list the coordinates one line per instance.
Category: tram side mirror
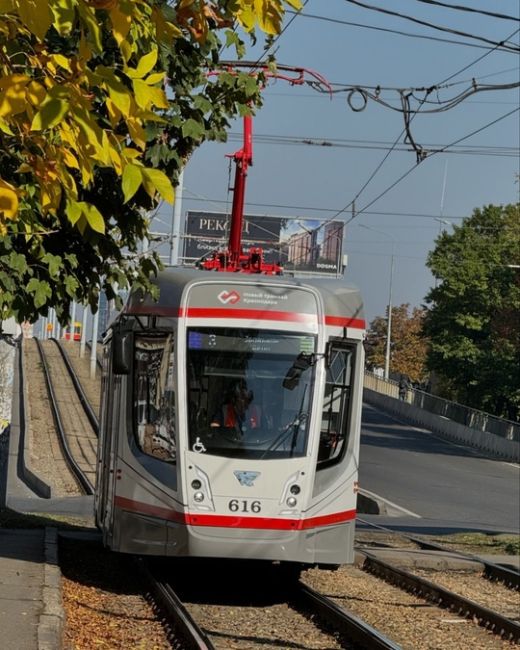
(121, 352)
(302, 362)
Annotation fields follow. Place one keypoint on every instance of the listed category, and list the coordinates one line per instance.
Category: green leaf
(71, 285)
(41, 291)
(54, 263)
(132, 179)
(18, 263)
(192, 129)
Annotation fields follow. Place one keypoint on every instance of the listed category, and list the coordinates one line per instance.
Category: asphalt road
(451, 487)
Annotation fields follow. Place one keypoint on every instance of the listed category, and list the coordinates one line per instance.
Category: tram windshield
(249, 392)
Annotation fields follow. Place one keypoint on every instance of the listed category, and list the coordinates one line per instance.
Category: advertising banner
(298, 244)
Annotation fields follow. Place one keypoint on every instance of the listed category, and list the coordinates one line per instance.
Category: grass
(483, 543)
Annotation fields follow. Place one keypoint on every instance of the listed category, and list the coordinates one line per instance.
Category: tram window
(154, 396)
(225, 362)
(336, 405)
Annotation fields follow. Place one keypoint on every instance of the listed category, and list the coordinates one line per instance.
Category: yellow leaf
(61, 61)
(84, 51)
(14, 80)
(154, 78)
(136, 132)
(36, 16)
(130, 154)
(73, 211)
(165, 31)
(35, 93)
(131, 181)
(51, 113)
(121, 22)
(269, 16)
(64, 14)
(69, 158)
(8, 200)
(114, 114)
(94, 217)
(161, 182)
(7, 7)
(147, 96)
(117, 163)
(117, 91)
(5, 127)
(94, 28)
(12, 101)
(146, 63)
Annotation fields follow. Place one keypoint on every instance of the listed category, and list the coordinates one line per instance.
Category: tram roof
(338, 296)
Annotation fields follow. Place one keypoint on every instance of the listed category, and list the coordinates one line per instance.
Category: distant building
(302, 248)
(332, 241)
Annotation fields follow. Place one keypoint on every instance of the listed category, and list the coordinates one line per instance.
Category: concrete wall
(489, 443)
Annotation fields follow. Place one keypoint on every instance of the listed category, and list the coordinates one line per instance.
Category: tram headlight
(196, 484)
(291, 502)
(295, 489)
(198, 497)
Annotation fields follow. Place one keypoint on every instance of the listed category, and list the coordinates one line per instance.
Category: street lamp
(389, 325)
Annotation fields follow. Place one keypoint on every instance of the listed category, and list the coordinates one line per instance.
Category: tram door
(107, 446)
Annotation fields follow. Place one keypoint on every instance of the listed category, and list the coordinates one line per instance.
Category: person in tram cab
(238, 411)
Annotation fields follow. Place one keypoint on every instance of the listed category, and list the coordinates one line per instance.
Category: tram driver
(238, 411)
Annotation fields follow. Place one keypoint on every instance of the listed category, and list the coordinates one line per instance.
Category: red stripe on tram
(230, 521)
(250, 314)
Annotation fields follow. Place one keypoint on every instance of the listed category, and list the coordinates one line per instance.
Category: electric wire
(394, 31)
(407, 127)
(469, 135)
(503, 44)
(482, 12)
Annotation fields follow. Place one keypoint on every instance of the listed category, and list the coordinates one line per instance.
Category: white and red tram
(283, 487)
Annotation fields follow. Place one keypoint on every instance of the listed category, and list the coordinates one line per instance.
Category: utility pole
(176, 222)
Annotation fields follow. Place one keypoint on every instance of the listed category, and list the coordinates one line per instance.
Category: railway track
(491, 570)
(77, 436)
(193, 628)
(220, 617)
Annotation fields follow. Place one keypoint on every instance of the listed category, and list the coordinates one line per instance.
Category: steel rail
(492, 571)
(82, 479)
(89, 411)
(443, 597)
(183, 623)
(349, 625)
(509, 577)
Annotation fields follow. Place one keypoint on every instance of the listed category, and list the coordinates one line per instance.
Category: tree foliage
(474, 317)
(407, 345)
(101, 104)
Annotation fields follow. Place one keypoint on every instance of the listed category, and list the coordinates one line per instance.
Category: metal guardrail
(472, 418)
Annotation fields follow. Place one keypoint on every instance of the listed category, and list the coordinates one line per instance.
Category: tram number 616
(238, 505)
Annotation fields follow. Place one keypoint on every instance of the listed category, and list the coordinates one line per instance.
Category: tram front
(270, 450)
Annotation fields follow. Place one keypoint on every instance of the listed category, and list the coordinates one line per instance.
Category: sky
(366, 155)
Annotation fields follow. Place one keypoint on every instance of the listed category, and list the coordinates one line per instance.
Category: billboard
(298, 244)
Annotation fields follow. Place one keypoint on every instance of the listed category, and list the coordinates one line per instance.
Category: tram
(183, 470)
(73, 332)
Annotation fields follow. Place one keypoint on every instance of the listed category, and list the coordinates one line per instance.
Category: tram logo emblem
(246, 478)
(228, 297)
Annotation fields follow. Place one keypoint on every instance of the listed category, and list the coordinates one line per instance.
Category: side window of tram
(154, 397)
(335, 414)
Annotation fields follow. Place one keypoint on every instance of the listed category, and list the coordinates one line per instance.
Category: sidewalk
(31, 615)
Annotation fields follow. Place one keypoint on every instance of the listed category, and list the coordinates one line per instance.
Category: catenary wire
(503, 44)
(394, 31)
(482, 12)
